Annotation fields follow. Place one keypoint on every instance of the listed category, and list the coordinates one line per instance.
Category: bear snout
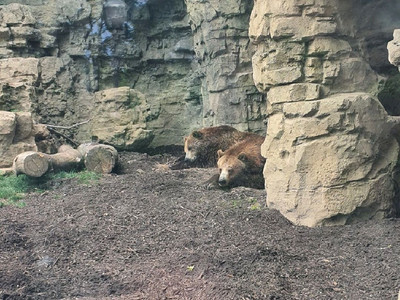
(190, 157)
(223, 178)
(222, 182)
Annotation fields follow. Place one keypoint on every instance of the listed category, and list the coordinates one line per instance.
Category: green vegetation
(84, 177)
(249, 203)
(14, 188)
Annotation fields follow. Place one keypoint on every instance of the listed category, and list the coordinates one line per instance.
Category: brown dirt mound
(153, 233)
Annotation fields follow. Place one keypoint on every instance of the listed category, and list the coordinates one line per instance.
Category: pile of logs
(95, 157)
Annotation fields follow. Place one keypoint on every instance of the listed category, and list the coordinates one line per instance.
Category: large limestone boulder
(394, 49)
(330, 161)
(119, 119)
(330, 151)
(16, 136)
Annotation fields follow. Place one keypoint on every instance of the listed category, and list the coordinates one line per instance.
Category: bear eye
(230, 171)
(190, 148)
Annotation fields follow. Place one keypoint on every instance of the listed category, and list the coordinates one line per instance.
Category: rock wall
(17, 134)
(330, 150)
(223, 53)
(192, 68)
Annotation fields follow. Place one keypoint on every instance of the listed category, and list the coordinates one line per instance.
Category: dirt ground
(154, 233)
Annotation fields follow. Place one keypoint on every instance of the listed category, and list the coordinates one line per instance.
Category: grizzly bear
(242, 164)
(201, 146)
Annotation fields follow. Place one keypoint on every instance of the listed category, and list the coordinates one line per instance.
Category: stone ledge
(294, 93)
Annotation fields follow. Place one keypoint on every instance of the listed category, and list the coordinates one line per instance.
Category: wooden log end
(101, 159)
(33, 164)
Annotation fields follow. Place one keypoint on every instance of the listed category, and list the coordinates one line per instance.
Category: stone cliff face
(223, 52)
(190, 63)
(330, 152)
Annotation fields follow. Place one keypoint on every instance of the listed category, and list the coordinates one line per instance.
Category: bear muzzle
(223, 178)
(189, 157)
(222, 182)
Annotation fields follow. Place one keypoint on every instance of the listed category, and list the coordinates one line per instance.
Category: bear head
(193, 146)
(231, 168)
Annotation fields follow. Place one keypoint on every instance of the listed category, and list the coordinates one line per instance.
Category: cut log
(96, 157)
(66, 159)
(31, 163)
(36, 164)
(99, 158)
(6, 171)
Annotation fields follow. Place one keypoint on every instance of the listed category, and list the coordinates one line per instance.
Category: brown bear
(201, 146)
(242, 164)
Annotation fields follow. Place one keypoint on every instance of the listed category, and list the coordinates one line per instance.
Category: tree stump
(67, 158)
(31, 163)
(99, 158)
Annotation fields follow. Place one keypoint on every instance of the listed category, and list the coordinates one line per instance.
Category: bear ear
(220, 153)
(243, 157)
(197, 134)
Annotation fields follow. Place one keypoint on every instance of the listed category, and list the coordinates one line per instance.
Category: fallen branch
(51, 128)
(67, 127)
(64, 136)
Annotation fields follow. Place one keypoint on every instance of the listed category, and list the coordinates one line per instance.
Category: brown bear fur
(201, 146)
(242, 164)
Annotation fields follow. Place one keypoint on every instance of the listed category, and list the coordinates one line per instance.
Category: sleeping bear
(201, 146)
(242, 164)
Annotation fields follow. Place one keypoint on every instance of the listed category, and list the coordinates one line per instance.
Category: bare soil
(154, 233)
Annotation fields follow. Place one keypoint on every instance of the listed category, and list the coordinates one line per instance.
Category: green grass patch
(84, 177)
(14, 188)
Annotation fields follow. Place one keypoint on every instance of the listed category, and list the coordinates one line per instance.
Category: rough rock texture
(394, 49)
(330, 161)
(17, 135)
(119, 119)
(223, 52)
(57, 54)
(330, 156)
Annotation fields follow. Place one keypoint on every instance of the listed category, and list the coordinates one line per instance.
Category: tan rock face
(16, 136)
(120, 117)
(328, 158)
(329, 148)
(223, 54)
(17, 80)
(191, 60)
(394, 49)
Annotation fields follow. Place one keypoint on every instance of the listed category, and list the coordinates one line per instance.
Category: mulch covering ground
(154, 233)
